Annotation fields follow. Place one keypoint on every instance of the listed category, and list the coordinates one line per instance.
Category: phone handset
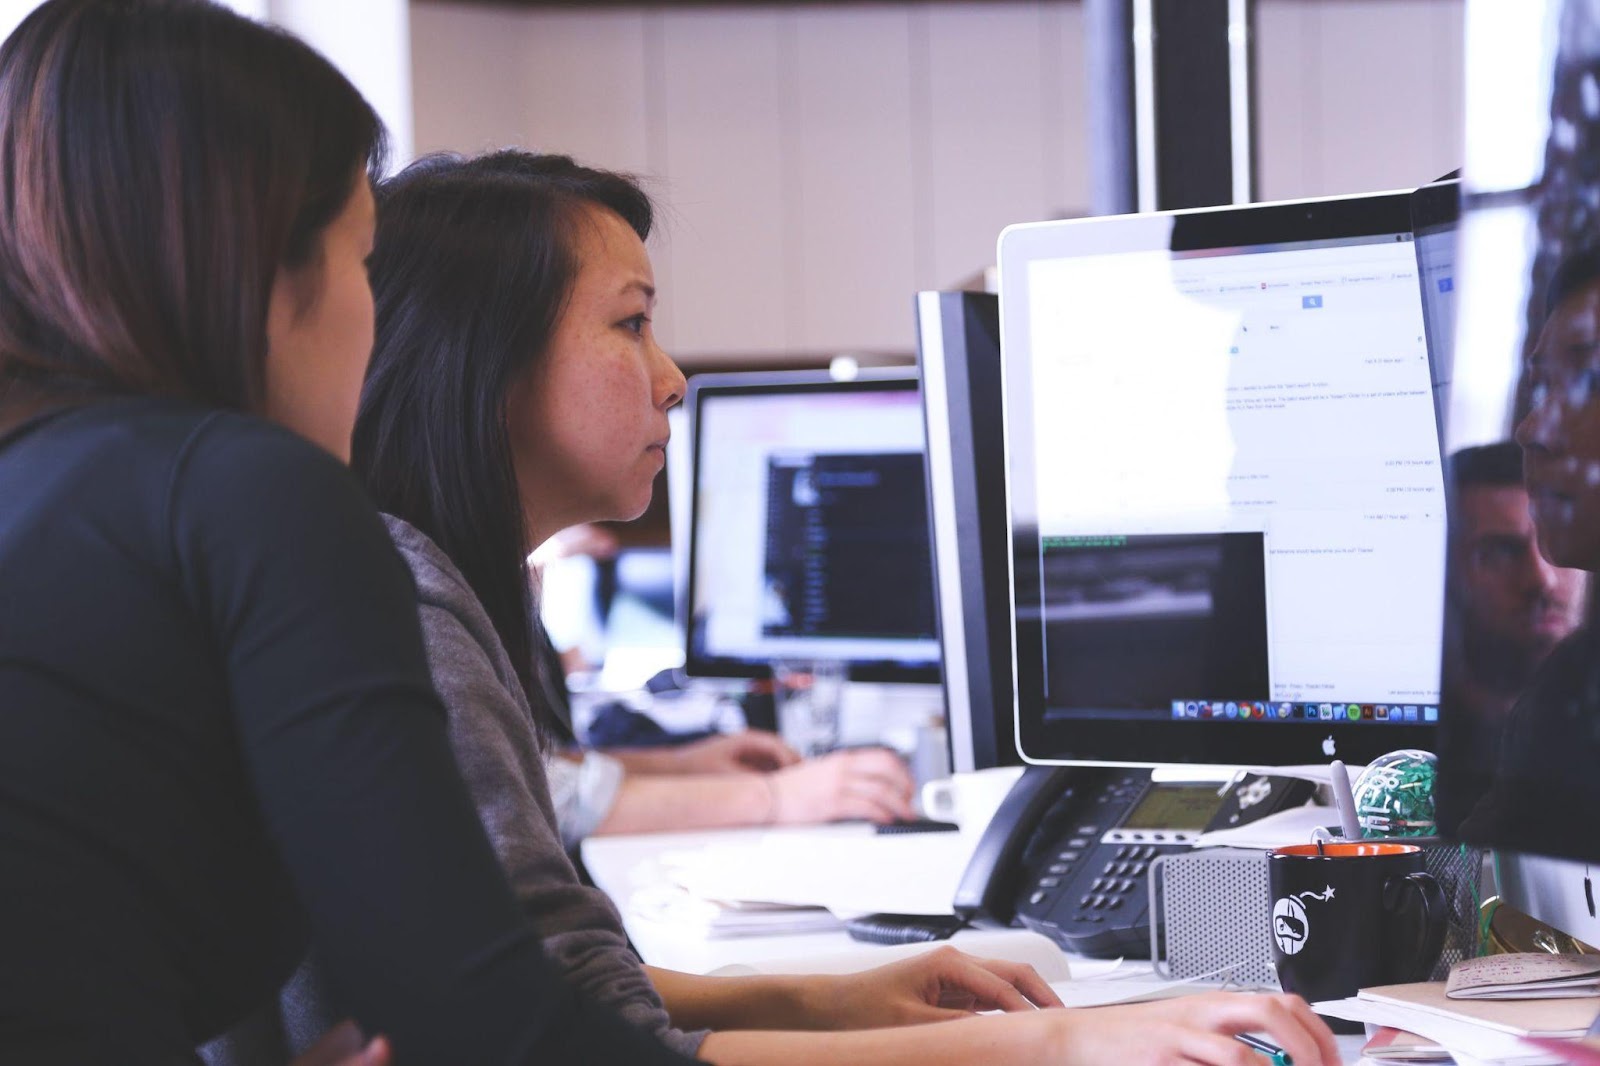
(987, 893)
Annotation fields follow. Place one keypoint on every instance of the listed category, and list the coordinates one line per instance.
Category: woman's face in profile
(588, 422)
(319, 331)
(1560, 434)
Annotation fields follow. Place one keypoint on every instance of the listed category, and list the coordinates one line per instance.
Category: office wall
(819, 163)
(1357, 95)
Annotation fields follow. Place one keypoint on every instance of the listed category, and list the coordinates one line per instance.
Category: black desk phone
(1068, 852)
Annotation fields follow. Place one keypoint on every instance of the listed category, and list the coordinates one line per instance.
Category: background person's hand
(1196, 1029)
(753, 749)
(343, 1045)
(935, 986)
(870, 783)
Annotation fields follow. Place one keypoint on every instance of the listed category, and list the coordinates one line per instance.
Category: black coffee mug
(1350, 916)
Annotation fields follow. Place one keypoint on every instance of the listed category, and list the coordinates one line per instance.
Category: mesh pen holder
(1210, 912)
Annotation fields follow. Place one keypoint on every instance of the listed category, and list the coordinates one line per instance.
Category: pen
(1275, 1054)
(1349, 821)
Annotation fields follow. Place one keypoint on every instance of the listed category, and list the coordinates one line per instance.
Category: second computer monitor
(958, 352)
(809, 526)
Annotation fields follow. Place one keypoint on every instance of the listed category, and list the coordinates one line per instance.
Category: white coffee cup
(969, 799)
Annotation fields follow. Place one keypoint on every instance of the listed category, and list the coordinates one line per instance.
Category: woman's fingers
(874, 798)
(1216, 1049)
(1299, 1032)
(992, 992)
(1025, 979)
(760, 750)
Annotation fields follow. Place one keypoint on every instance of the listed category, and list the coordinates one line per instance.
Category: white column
(370, 41)
(256, 9)
(12, 12)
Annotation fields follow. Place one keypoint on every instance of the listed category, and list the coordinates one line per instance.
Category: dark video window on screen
(1520, 752)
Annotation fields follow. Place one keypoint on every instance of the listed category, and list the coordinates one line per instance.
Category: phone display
(1175, 807)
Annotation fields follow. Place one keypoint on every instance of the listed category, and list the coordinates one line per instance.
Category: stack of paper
(1529, 975)
(1474, 1031)
(714, 919)
(1012, 945)
(848, 873)
(1393, 1045)
(1536, 1017)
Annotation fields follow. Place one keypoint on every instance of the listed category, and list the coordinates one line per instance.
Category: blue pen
(1275, 1054)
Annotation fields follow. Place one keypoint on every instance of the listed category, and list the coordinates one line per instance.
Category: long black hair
(160, 162)
(474, 262)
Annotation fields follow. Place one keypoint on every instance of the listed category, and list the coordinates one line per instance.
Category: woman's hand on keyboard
(870, 783)
(1196, 1029)
(936, 986)
(753, 749)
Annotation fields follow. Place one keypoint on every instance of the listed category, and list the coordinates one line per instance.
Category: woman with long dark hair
(218, 735)
(516, 389)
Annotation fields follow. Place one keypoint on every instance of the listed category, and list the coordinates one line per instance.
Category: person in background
(1543, 785)
(516, 389)
(750, 777)
(737, 779)
(1508, 606)
(219, 740)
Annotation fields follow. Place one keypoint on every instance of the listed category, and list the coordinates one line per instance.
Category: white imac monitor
(809, 526)
(1520, 759)
(1224, 482)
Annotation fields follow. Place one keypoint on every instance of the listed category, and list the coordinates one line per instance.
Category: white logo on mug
(1290, 926)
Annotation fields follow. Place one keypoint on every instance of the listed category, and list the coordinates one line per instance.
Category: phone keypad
(1068, 898)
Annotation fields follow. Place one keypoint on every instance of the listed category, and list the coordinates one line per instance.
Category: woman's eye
(635, 324)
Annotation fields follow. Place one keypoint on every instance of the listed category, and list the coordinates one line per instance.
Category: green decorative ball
(1394, 795)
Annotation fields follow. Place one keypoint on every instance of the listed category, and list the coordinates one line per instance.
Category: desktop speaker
(1211, 908)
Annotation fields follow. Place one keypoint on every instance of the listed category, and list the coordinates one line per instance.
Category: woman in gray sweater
(515, 390)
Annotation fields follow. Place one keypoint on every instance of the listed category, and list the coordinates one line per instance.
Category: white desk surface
(620, 864)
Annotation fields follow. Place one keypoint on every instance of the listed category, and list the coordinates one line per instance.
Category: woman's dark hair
(474, 262)
(160, 162)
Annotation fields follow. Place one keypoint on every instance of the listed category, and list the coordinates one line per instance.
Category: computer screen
(958, 355)
(1225, 485)
(809, 526)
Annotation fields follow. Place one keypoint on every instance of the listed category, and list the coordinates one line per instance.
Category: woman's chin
(628, 510)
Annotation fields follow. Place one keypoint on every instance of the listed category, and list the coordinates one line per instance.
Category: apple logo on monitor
(1329, 748)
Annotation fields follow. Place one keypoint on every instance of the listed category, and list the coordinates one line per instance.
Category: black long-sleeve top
(218, 739)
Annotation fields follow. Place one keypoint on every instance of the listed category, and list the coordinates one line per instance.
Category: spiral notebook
(1527, 975)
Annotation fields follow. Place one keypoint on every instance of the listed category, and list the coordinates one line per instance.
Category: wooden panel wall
(819, 163)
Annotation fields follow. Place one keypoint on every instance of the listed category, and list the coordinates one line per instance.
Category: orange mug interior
(1368, 849)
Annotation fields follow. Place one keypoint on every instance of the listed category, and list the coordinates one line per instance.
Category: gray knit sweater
(501, 757)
